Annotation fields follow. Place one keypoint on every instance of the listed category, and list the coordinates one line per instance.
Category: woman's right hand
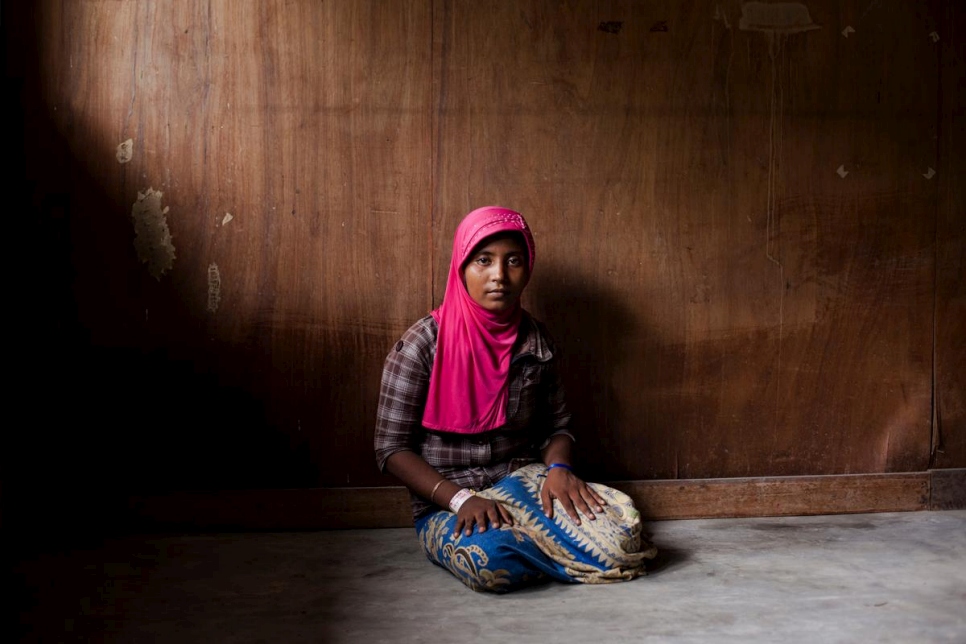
(481, 513)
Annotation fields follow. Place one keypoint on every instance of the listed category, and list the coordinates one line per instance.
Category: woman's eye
(515, 261)
(483, 261)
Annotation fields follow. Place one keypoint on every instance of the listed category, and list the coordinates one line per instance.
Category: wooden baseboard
(292, 509)
(947, 489)
(780, 496)
(388, 507)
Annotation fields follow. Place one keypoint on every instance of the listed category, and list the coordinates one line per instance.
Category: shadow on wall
(592, 329)
(121, 405)
(116, 401)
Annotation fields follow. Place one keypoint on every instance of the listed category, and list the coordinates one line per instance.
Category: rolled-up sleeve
(402, 394)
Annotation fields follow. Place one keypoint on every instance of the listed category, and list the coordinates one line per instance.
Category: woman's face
(496, 273)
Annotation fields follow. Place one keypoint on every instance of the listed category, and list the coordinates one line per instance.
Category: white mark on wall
(776, 21)
(214, 287)
(125, 151)
(152, 238)
(848, 30)
(842, 172)
(930, 173)
(228, 217)
(934, 35)
(778, 18)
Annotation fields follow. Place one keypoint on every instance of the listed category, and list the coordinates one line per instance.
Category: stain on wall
(611, 26)
(152, 238)
(125, 151)
(214, 287)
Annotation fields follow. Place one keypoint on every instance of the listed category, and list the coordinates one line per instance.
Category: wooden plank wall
(949, 423)
(731, 304)
(289, 145)
(736, 206)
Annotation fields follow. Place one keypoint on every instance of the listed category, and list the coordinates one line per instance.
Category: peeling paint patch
(780, 17)
(214, 287)
(228, 217)
(152, 238)
(125, 151)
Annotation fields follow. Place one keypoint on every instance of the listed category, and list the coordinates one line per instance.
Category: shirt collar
(532, 341)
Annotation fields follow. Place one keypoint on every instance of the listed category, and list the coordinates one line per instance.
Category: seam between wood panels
(433, 125)
(935, 432)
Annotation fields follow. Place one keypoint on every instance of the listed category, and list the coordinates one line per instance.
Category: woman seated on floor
(472, 419)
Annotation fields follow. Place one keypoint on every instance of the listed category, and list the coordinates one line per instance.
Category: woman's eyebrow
(490, 252)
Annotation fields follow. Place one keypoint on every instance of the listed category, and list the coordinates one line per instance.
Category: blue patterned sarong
(534, 548)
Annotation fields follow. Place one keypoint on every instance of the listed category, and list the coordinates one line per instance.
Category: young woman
(472, 419)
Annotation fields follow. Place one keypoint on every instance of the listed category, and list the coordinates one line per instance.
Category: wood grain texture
(947, 489)
(737, 248)
(388, 507)
(324, 261)
(288, 141)
(949, 422)
(727, 303)
(780, 496)
(294, 509)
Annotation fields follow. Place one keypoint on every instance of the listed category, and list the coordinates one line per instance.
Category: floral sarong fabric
(608, 549)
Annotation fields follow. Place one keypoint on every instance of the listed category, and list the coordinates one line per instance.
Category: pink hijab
(469, 383)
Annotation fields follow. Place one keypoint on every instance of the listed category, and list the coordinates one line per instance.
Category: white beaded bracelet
(459, 499)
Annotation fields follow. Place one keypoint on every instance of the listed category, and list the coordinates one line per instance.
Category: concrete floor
(848, 578)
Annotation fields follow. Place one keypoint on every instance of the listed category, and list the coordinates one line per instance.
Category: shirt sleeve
(560, 415)
(402, 394)
(554, 394)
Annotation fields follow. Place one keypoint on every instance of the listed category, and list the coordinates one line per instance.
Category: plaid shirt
(536, 411)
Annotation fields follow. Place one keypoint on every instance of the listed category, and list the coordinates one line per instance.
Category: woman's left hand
(573, 494)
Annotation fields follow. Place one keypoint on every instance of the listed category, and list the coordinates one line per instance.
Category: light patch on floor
(891, 578)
